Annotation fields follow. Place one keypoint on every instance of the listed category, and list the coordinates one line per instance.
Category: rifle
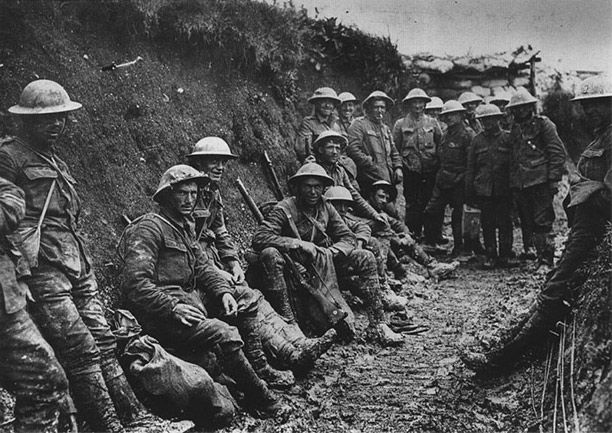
(278, 192)
(333, 313)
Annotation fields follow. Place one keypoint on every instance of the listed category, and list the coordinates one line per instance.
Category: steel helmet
(521, 97)
(177, 174)
(435, 104)
(416, 93)
(502, 97)
(329, 135)
(346, 97)
(212, 146)
(324, 93)
(488, 110)
(390, 189)
(338, 193)
(312, 169)
(378, 94)
(44, 97)
(452, 106)
(467, 97)
(599, 86)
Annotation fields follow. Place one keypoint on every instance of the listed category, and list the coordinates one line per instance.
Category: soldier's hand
(308, 248)
(398, 175)
(187, 314)
(382, 219)
(237, 272)
(229, 305)
(310, 158)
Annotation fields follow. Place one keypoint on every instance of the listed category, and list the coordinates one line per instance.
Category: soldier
(348, 104)
(210, 155)
(590, 199)
(174, 289)
(538, 161)
(399, 239)
(450, 179)
(67, 309)
(28, 367)
(433, 109)
(417, 137)
(470, 101)
(308, 228)
(371, 144)
(501, 100)
(487, 184)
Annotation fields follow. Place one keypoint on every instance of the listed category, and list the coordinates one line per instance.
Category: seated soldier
(399, 239)
(341, 198)
(210, 156)
(175, 291)
(308, 230)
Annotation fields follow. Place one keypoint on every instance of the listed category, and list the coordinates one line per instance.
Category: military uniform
(488, 185)
(474, 124)
(67, 308)
(417, 141)
(28, 368)
(449, 188)
(538, 158)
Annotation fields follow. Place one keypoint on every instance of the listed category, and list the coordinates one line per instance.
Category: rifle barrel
(249, 201)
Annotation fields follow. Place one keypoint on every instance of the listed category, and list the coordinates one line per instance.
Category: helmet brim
(590, 97)
(200, 180)
(456, 110)
(314, 99)
(204, 154)
(63, 108)
(416, 98)
(328, 181)
(482, 116)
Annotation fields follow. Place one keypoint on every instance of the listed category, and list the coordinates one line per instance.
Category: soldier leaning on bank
(488, 184)
(28, 368)
(62, 282)
(417, 137)
(538, 163)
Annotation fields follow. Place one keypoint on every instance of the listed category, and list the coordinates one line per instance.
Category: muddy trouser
(362, 263)
(418, 188)
(496, 219)
(535, 208)
(29, 370)
(434, 213)
(71, 318)
(380, 250)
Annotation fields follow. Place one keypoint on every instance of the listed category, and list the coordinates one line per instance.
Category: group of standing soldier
(180, 272)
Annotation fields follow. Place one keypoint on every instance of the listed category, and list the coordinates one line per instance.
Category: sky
(571, 34)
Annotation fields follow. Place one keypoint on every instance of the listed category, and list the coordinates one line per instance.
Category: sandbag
(175, 388)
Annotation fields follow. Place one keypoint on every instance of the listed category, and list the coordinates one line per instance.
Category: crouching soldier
(488, 184)
(62, 282)
(173, 289)
(210, 156)
(312, 233)
(28, 367)
(591, 201)
(398, 239)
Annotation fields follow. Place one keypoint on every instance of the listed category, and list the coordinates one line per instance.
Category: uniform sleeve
(555, 150)
(303, 141)
(208, 278)
(270, 233)
(396, 157)
(361, 230)
(362, 207)
(469, 172)
(141, 249)
(223, 240)
(12, 206)
(8, 168)
(356, 151)
(397, 226)
(343, 238)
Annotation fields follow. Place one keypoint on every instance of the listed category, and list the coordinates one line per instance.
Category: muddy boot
(303, 358)
(489, 262)
(257, 395)
(529, 254)
(391, 301)
(441, 271)
(94, 403)
(253, 350)
(130, 410)
(383, 335)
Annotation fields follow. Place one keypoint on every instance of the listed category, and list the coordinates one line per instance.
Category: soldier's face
(213, 167)
(470, 107)
(310, 191)
(452, 118)
(598, 112)
(45, 129)
(183, 197)
(324, 107)
(522, 111)
(416, 107)
(433, 112)
(347, 109)
(490, 123)
(377, 111)
(380, 198)
(330, 152)
(341, 206)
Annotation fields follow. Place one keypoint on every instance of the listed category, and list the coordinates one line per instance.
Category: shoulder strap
(46, 205)
(292, 225)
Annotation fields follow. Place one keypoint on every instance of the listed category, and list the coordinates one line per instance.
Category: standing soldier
(538, 159)
(346, 112)
(67, 308)
(488, 184)
(417, 137)
(324, 101)
(501, 100)
(470, 101)
(28, 367)
(433, 109)
(590, 199)
(371, 144)
(450, 180)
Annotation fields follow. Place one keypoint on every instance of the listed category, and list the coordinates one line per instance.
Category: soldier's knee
(272, 256)
(225, 335)
(364, 260)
